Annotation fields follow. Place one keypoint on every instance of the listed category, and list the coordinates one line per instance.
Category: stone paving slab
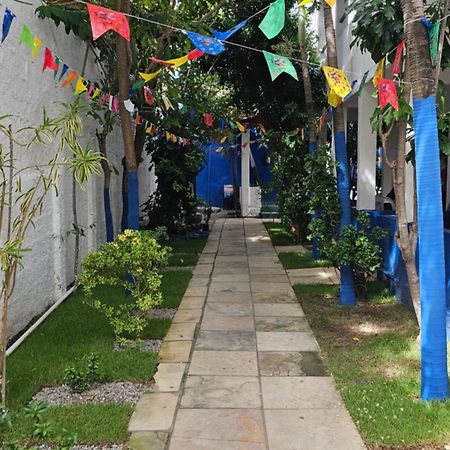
(224, 363)
(286, 341)
(291, 364)
(154, 412)
(221, 392)
(168, 377)
(223, 322)
(268, 323)
(175, 351)
(311, 429)
(183, 331)
(226, 340)
(278, 309)
(231, 429)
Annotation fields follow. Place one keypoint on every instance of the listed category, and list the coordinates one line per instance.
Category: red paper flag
(49, 62)
(161, 62)
(387, 93)
(208, 119)
(104, 19)
(148, 96)
(398, 58)
(194, 54)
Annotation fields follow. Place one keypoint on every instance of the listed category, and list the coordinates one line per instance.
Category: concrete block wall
(25, 91)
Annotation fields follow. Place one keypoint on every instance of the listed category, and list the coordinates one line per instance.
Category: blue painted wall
(393, 271)
(217, 172)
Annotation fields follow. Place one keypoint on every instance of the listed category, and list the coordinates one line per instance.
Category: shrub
(80, 380)
(133, 262)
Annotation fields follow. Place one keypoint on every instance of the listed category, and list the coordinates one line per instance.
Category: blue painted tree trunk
(133, 201)
(315, 246)
(431, 252)
(108, 215)
(347, 292)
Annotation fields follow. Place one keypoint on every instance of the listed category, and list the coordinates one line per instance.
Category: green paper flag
(273, 21)
(26, 37)
(363, 83)
(279, 64)
(433, 36)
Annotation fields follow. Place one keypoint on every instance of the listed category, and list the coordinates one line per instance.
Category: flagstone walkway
(241, 370)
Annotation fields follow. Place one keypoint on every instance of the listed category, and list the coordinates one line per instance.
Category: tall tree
(430, 216)
(309, 103)
(347, 291)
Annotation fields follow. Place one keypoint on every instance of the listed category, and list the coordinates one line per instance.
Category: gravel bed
(149, 345)
(162, 313)
(115, 392)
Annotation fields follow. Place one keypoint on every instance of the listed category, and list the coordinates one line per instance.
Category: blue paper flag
(209, 45)
(192, 115)
(224, 35)
(64, 70)
(221, 123)
(7, 21)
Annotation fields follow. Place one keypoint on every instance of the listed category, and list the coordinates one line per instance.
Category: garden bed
(300, 260)
(279, 234)
(372, 352)
(185, 252)
(72, 333)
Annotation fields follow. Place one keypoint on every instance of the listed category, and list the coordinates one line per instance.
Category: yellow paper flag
(177, 62)
(333, 99)
(167, 102)
(223, 139)
(379, 73)
(167, 136)
(80, 87)
(36, 47)
(96, 93)
(240, 127)
(337, 81)
(331, 2)
(149, 76)
(305, 2)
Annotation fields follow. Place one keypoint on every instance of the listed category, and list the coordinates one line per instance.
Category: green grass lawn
(73, 332)
(279, 234)
(185, 252)
(300, 260)
(372, 352)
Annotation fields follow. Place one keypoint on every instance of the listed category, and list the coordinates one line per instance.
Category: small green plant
(5, 418)
(79, 380)
(132, 262)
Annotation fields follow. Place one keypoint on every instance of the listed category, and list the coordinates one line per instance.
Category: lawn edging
(152, 420)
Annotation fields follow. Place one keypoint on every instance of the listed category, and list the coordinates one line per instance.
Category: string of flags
(103, 20)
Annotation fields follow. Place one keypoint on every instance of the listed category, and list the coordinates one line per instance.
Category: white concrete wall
(25, 91)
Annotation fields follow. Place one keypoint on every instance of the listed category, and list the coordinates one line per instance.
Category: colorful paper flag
(97, 92)
(37, 43)
(49, 62)
(206, 44)
(64, 70)
(8, 17)
(363, 83)
(224, 35)
(305, 2)
(208, 119)
(331, 2)
(387, 93)
(57, 62)
(379, 72)
(240, 127)
(194, 54)
(26, 37)
(129, 105)
(115, 104)
(279, 64)
(398, 58)
(177, 62)
(80, 87)
(338, 84)
(433, 36)
(148, 96)
(72, 75)
(104, 19)
(274, 20)
(149, 76)
(161, 62)
(167, 103)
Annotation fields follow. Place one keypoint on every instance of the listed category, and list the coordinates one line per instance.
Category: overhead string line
(254, 49)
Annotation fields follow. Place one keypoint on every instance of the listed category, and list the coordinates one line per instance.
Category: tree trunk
(109, 225)
(430, 215)
(309, 103)
(123, 75)
(347, 292)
